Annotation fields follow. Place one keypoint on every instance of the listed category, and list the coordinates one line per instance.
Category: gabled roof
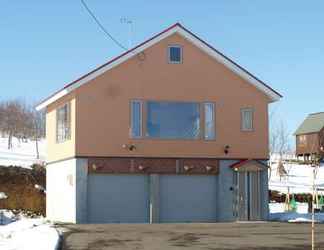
(313, 123)
(176, 28)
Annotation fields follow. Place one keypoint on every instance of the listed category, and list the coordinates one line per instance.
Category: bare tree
(17, 119)
(38, 128)
(279, 144)
(11, 119)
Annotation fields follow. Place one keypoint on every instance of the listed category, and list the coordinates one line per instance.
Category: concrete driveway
(247, 236)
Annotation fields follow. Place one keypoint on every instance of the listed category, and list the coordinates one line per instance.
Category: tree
(17, 119)
(11, 119)
(37, 128)
(279, 144)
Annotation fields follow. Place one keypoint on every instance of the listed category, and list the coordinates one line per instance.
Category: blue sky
(46, 44)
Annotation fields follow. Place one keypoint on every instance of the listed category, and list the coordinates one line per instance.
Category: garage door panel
(118, 198)
(188, 198)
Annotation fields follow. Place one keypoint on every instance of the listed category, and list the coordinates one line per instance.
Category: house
(170, 131)
(310, 136)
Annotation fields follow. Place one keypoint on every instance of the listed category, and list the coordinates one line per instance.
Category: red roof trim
(241, 163)
(148, 40)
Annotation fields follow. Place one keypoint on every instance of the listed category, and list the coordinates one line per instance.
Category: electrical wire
(101, 26)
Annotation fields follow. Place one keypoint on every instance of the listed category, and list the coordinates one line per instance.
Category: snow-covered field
(298, 180)
(22, 154)
(27, 234)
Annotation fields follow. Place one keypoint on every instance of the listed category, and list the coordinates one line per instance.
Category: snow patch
(296, 217)
(27, 234)
(3, 195)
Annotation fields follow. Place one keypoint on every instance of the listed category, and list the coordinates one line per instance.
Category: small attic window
(175, 54)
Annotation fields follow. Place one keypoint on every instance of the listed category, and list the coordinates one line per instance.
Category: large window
(173, 120)
(63, 123)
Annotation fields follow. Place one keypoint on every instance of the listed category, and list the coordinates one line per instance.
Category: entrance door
(248, 195)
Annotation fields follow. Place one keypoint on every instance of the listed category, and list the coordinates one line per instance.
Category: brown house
(310, 136)
(170, 131)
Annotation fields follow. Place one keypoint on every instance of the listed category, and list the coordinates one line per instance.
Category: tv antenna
(129, 22)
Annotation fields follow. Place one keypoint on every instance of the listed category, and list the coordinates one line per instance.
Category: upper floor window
(175, 54)
(209, 112)
(302, 139)
(63, 123)
(172, 120)
(247, 119)
(136, 119)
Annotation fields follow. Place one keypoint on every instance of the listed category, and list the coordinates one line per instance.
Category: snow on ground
(299, 179)
(26, 234)
(277, 213)
(302, 208)
(296, 217)
(22, 154)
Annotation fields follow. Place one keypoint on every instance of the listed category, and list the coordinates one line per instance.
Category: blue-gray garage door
(185, 198)
(118, 198)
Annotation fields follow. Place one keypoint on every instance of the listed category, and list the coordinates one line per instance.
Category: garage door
(118, 198)
(188, 198)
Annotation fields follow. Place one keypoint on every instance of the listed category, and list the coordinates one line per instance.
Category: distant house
(310, 136)
(170, 131)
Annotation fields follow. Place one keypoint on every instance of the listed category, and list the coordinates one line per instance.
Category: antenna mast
(129, 22)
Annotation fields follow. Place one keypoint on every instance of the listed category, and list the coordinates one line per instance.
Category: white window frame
(214, 121)
(67, 134)
(140, 119)
(243, 110)
(169, 54)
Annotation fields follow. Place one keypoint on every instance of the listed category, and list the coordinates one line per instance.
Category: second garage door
(185, 198)
(118, 198)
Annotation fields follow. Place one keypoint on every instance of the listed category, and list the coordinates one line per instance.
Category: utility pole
(313, 209)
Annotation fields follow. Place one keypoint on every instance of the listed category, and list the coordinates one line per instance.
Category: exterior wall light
(129, 147)
(226, 149)
(142, 168)
(209, 168)
(188, 168)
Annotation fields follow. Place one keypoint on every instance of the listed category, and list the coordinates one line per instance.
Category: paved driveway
(247, 236)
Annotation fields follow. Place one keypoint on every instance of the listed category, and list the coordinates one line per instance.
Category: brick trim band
(120, 165)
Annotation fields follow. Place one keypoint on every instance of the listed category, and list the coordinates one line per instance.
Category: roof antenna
(129, 22)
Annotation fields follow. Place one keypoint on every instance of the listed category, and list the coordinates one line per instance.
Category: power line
(101, 26)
